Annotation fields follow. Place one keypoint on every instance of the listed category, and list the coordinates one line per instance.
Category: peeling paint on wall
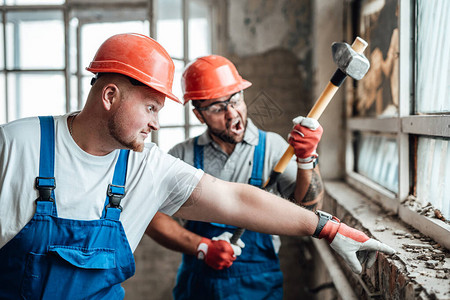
(256, 26)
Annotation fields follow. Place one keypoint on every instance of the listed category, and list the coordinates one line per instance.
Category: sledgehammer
(351, 62)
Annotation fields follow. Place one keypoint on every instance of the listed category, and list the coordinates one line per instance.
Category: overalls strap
(258, 161)
(116, 190)
(198, 154)
(61, 258)
(45, 183)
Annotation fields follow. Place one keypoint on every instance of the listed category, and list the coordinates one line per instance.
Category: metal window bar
(66, 10)
(186, 42)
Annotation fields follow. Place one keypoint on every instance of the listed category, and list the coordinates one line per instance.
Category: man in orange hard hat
(78, 191)
(233, 149)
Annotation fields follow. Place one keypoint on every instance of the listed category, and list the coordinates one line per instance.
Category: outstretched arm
(248, 207)
(242, 205)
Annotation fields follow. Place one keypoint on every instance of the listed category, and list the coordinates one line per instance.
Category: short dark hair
(132, 80)
(196, 103)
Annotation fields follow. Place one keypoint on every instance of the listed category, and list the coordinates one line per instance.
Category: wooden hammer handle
(324, 99)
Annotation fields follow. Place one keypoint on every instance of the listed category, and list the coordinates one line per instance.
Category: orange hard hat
(139, 57)
(211, 77)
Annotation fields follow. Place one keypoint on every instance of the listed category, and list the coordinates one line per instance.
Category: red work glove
(218, 253)
(304, 138)
(354, 246)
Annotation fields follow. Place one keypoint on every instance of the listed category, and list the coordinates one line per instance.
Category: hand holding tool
(304, 138)
(218, 252)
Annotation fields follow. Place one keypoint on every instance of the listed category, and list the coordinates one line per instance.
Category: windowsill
(420, 265)
(431, 227)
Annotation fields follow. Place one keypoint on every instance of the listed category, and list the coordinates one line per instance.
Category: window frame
(407, 126)
(72, 68)
(185, 59)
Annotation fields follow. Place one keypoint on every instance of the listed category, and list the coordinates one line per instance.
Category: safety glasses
(220, 107)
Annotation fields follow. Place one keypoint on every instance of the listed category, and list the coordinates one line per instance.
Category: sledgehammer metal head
(349, 61)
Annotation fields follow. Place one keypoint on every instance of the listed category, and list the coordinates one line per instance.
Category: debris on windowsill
(441, 274)
(428, 210)
(381, 228)
(431, 264)
(417, 246)
(415, 250)
(438, 214)
(413, 274)
(399, 232)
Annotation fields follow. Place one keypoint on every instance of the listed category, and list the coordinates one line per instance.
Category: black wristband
(323, 219)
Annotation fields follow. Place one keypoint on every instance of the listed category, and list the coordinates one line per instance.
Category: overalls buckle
(45, 186)
(115, 193)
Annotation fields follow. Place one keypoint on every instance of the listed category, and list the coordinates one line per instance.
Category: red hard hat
(211, 77)
(137, 56)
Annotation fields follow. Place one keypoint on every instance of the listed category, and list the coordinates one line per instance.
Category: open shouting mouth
(236, 127)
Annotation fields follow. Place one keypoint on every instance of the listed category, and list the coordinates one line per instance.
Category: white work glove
(218, 252)
(354, 246)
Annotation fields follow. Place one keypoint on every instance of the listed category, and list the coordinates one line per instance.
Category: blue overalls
(55, 258)
(255, 274)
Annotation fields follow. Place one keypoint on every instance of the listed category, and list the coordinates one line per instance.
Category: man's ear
(110, 94)
(199, 115)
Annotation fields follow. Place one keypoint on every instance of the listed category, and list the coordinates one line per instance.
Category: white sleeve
(180, 179)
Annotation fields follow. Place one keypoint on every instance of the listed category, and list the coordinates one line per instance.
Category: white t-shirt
(155, 180)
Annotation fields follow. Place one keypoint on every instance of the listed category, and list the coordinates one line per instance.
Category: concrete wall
(328, 28)
(271, 44)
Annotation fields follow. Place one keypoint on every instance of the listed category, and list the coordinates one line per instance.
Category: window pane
(35, 40)
(73, 50)
(2, 99)
(432, 56)
(148, 140)
(33, 2)
(176, 88)
(93, 35)
(73, 93)
(2, 65)
(169, 137)
(433, 174)
(199, 30)
(85, 88)
(193, 120)
(196, 130)
(35, 94)
(170, 26)
(377, 159)
(377, 93)
(171, 114)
